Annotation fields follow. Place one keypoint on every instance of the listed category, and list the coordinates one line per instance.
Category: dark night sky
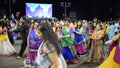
(85, 9)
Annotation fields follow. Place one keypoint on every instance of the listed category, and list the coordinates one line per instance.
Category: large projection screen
(34, 10)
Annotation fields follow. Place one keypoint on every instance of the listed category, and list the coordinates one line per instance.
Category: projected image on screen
(34, 10)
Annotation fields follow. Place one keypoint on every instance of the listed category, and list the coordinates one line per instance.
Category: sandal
(74, 61)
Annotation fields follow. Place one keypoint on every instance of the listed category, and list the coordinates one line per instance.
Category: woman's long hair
(78, 26)
(49, 36)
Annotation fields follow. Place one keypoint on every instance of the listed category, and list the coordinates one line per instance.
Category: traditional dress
(79, 39)
(97, 47)
(111, 32)
(67, 45)
(33, 44)
(113, 60)
(89, 41)
(85, 27)
(6, 48)
(43, 61)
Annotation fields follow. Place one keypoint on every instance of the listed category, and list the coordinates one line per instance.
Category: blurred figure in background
(23, 30)
(6, 48)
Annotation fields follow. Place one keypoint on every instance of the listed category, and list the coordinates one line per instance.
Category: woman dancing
(34, 42)
(113, 60)
(49, 50)
(6, 48)
(78, 36)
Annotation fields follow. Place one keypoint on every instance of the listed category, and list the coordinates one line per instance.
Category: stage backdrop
(34, 10)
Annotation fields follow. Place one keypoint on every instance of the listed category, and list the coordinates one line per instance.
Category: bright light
(34, 10)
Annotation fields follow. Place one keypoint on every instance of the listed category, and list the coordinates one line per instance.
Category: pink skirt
(80, 49)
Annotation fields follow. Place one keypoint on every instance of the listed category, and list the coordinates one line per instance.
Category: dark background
(85, 9)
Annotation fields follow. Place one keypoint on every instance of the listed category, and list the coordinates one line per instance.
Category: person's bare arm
(116, 37)
(54, 58)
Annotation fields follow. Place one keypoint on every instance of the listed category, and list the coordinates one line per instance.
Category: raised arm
(116, 37)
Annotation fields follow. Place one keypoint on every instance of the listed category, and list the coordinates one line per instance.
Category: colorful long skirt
(80, 49)
(109, 62)
(67, 54)
(30, 59)
(6, 48)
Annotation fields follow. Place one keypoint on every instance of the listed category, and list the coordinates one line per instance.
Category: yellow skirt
(3, 37)
(109, 62)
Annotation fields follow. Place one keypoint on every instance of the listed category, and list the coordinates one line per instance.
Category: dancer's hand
(108, 42)
(60, 37)
(10, 30)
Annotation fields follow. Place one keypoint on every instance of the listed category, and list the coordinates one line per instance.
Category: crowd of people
(54, 43)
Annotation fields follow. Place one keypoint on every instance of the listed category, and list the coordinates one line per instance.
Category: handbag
(40, 61)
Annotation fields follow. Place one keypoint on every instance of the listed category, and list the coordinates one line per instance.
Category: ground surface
(12, 62)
